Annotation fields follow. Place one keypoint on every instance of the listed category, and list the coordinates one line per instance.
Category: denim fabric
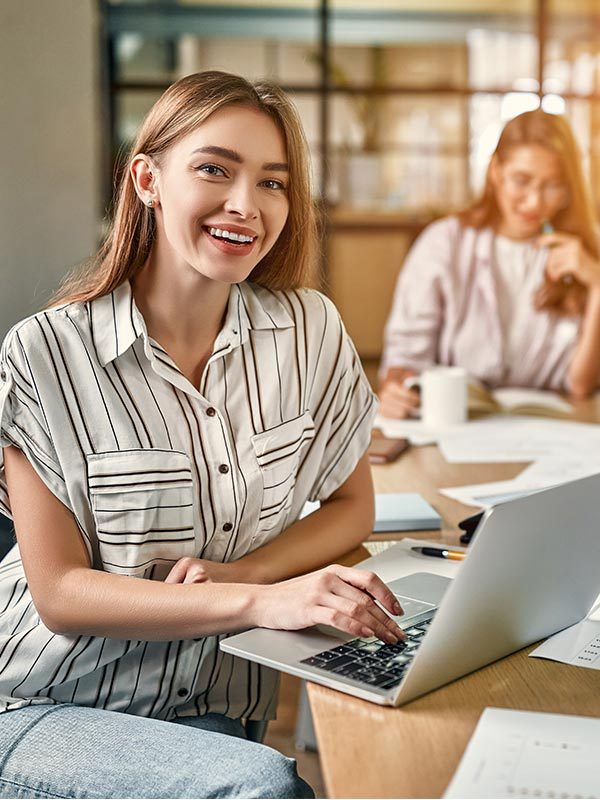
(76, 751)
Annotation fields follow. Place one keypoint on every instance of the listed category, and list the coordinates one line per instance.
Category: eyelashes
(215, 171)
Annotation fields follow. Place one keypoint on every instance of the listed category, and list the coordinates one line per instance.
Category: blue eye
(273, 184)
(212, 169)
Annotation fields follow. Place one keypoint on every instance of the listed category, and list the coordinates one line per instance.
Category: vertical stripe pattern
(154, 469)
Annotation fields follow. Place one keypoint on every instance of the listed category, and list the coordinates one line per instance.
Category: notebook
(400, 511)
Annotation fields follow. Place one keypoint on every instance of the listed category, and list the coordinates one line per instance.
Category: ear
(143, 175)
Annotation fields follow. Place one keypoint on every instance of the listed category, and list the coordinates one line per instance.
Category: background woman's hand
(341, 597)
(569, 258)
(395, 399)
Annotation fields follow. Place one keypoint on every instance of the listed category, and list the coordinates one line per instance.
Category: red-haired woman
(488, 291)
(163, 425)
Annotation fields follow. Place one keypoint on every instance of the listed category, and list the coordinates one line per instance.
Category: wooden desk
(371, 751)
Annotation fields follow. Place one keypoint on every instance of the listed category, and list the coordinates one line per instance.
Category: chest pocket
(142, 502)
(278, 452)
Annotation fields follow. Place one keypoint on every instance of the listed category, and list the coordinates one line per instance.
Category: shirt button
(223, 469)
(210, 411)
(2, 375)
(227, 527)
(182, 692)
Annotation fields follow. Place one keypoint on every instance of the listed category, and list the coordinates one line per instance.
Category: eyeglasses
(520, 186)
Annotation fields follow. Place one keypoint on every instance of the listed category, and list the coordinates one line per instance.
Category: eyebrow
(231, 155)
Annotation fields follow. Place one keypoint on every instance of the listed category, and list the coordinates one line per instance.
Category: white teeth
(234, 237)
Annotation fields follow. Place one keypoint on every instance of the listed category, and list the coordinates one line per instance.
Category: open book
(512, 400)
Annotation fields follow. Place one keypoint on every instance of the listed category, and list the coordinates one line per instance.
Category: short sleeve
(22, 423)
(351, 408)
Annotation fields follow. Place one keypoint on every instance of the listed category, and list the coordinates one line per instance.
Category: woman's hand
(569, 259)
(397, 400)
(200, 570)
(338, 596)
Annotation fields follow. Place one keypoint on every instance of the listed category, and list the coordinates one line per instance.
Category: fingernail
(397, 608)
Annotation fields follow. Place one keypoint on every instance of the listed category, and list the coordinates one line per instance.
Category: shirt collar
(117, 322)
(260, 308)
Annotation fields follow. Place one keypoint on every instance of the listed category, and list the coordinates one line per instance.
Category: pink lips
(231, 248)
(530, 220)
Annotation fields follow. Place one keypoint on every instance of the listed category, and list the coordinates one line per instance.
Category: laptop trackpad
(419, 592)
(411, 607)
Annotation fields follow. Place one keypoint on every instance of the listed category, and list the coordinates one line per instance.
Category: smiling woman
(198, 185)
(163, 426)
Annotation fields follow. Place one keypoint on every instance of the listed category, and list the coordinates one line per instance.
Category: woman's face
(529, 188)
(222, 197)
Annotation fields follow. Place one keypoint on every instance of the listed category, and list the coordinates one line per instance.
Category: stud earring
(150, 203)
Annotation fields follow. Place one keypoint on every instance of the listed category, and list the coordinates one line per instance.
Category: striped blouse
(154, 470)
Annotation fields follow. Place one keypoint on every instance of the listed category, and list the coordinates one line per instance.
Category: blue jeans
(75, 751)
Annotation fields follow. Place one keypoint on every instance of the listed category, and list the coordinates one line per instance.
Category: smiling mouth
(231, 237)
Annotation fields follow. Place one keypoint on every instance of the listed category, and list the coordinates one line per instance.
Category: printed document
(578, 645)
(530, 754)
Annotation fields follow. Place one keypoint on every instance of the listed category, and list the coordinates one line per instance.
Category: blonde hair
(554, 133)
(186, 104)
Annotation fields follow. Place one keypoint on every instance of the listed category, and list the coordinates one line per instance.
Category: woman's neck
(181, 308)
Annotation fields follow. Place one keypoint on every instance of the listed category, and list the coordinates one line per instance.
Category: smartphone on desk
(383, 450)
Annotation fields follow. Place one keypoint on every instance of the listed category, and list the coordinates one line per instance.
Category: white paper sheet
(530, 754)
(509, 439)
(486, 495)
(578, 645)
(411, 429)
(400, 560)
(550, 471)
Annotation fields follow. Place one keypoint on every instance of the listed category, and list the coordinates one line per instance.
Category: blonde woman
(488, 290)
(163, 424)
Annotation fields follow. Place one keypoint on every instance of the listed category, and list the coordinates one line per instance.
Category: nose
(533, 199)
(242, 200)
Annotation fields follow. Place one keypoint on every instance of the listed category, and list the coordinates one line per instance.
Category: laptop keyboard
(371, 661)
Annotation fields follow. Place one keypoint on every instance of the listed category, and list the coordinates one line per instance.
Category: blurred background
(402, 102)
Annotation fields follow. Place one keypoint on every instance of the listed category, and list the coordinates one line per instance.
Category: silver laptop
(532, 570)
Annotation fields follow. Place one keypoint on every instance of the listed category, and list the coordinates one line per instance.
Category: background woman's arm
(568, 257)
(583, 375)
(416, 318)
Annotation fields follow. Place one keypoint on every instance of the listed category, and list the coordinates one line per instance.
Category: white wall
(49, 147)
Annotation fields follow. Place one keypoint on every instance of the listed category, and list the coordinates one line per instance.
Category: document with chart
(578, 645)
(530, 754)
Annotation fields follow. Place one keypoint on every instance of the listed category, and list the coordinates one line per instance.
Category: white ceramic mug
(443, 396)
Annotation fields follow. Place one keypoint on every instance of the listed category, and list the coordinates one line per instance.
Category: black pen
(438, 552)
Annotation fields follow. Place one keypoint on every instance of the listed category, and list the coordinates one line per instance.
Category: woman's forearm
(584, 370)
(340, 525)
(306, 545)
(91, 602)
